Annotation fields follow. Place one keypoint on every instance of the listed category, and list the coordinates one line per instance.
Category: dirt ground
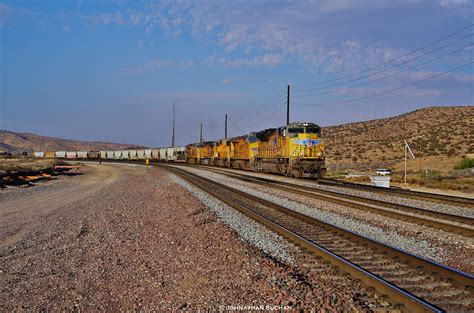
(127, 237)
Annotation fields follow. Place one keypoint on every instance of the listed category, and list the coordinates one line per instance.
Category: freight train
(294, 150)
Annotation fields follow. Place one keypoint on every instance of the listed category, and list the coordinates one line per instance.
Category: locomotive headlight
(319, 154)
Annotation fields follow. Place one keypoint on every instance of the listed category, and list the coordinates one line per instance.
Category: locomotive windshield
(310, 129)
(294, 131)
(313, 130)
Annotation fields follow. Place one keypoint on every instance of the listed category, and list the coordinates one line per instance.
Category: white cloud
(269, 60)
(148, 66)
(227, 80)
(105, 19)
(315, 32)
(66, 28)
(155, 64)
(449, 3)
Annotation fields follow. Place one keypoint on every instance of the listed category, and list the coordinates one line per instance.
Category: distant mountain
(440, 135)
(18, 142)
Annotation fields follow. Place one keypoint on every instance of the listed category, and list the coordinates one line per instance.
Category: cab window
(294, 131)
(314, 130)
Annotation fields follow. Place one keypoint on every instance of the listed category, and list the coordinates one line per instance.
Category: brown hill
(18, 142)
(441, 135)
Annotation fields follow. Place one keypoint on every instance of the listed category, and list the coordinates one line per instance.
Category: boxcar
(110, 155)
(152, 154)
(103, 154)
(71, 154)
(38, 154)
(49, 154)
(117, 154)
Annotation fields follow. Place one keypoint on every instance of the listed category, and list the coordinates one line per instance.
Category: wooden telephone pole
(225, 132)
(200, 137)
(288, 106)
(172, 138)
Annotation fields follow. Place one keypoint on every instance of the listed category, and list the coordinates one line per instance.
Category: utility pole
(407, 149)
(421, 156)
(225, 133)
(172, 138)
(200, 137)
(288, 106)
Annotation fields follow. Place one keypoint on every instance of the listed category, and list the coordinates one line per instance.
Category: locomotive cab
(305, 149)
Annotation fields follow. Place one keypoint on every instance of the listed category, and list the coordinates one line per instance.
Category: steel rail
(399, 295)
(425, 196)
(410, 300)
(359, 204)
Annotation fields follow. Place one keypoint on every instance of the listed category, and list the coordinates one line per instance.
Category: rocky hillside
(442, 135)
(18, 142)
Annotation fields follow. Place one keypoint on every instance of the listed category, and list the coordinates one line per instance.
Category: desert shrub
(464, 163)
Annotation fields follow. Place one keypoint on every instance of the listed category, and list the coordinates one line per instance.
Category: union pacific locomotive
(293, 150)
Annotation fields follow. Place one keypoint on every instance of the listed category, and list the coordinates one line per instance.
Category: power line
(235, 125)
(388, 62)
(256, 115)
(391, 90)
(282, 105)
(386, 69)
(269, 102)
(386, 76)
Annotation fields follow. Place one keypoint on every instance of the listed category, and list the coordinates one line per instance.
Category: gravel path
(440, 246)
(134, 239)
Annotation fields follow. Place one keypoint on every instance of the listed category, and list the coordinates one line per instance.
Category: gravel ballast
(249, 230)
(443, 247)
(427, 205)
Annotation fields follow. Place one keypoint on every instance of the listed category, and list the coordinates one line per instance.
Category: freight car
(293, 150)
(93, 155)
(60, 154)
(71, 154)
(82, 154)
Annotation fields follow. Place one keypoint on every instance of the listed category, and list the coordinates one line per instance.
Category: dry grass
(439, 134)
(25, 164)
(439, 137)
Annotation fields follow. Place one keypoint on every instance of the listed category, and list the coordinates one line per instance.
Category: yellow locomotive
(294, 150)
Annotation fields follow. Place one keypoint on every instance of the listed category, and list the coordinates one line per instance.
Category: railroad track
(425, 196)
(420, 285)
(448, 222)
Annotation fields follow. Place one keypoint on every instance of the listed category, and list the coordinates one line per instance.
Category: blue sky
(110, 70)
